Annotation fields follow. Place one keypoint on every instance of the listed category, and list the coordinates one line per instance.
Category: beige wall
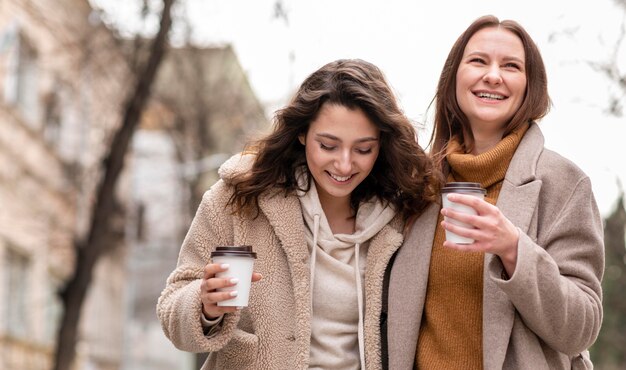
(59, 101)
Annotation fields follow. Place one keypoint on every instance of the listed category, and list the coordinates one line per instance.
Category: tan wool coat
(550, 311)
(273, 332)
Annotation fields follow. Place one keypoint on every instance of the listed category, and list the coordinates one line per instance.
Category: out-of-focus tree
(613, 69)
(608, 351)
(97, 239)
(216, 112)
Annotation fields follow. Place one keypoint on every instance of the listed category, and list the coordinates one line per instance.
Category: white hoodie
(337, 270)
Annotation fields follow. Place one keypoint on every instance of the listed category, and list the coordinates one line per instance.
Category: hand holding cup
(469, 188)
(225, 286)
(483, 229)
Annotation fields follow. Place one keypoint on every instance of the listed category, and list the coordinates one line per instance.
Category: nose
(493, 76)
(343, 163)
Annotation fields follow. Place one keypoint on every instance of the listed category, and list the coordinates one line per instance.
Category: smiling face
(491, 79)
(341, 148)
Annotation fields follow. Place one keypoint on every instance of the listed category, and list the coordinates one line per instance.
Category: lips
(340, 178)
(490, 95)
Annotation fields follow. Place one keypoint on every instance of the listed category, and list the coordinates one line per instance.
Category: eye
(364, 151)
(477, 60)
(513, 65)
(326, 147)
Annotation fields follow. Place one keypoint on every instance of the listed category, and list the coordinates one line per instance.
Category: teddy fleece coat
(549, 312)
(274, 331)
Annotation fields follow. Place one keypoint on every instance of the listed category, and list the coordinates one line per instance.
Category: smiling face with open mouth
(491, 79)
(341, 148)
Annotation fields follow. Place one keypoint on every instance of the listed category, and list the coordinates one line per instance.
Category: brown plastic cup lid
(234, 251)
(463, 187)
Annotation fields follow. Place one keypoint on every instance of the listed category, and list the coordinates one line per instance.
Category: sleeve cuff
(207, 323)
(210, 327)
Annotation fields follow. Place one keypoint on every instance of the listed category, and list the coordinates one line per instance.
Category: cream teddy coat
(273, 332)
(549, 312)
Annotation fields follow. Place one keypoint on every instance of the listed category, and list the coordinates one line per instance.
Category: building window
(16, 270)
(62, 128)
(54, 308)
(52, 119)
(21, 84)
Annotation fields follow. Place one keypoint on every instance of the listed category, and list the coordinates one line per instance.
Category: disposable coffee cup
(241, 261)
(468, 188)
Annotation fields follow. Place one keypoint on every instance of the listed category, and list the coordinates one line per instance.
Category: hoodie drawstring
(359, 285)
(316, 226)
(359, 294)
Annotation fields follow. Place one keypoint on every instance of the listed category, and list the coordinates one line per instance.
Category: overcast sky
(409, 41)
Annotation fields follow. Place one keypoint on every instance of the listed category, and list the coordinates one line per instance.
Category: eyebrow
(333, 137)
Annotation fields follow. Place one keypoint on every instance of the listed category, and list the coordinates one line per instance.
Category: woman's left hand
(492, 233)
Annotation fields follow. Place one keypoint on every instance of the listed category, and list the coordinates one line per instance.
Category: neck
(339, 214)
(484, 140)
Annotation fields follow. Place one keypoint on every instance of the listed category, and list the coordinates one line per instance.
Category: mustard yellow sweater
(451, 331)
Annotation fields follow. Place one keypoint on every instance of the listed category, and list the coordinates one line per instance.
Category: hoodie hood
(371, 217)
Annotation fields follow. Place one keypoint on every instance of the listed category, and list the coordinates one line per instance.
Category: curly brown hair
(451, 122)
(403, 175)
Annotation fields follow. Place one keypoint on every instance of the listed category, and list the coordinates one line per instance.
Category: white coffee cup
(241, 262)
(468, 188)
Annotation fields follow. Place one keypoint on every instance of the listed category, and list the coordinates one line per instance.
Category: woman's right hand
(209, 294)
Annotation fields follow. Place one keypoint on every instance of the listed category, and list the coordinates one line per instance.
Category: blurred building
(62, 81)
(202, 111)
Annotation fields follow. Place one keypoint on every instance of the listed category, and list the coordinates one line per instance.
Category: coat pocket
(239, 354)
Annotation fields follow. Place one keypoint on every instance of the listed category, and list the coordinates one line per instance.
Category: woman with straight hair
(526, 293)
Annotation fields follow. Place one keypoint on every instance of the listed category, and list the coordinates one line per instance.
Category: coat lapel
(381, 249)
(498, 311)
(407, 290)
(285, 217)
(517, 201)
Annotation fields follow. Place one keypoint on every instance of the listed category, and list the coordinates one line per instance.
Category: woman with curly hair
(323, 200)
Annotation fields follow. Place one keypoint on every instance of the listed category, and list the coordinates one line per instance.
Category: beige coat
(274, 331)
(549, 312)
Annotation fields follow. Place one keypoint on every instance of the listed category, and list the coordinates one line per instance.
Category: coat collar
(282, 211)
(523, 166)
(285, 217)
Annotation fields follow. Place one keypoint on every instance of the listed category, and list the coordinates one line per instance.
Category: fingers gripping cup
(468, 188)
(241, 261)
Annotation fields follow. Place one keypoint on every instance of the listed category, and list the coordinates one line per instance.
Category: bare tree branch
(611, 69)
(95, 245)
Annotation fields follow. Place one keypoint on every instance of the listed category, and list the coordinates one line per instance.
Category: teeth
(490, 96)
(340, 178)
